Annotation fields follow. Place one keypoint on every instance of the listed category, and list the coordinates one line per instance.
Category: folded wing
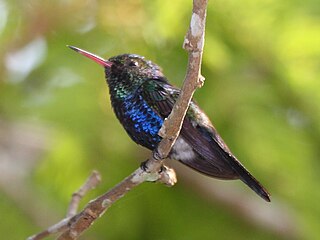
(199, 146)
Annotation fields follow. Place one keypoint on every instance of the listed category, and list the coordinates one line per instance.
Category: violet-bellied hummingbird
(142, 98)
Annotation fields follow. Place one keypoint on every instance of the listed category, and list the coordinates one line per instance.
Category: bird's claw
(144, 167)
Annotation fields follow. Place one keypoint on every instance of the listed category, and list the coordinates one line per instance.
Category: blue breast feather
(141, 122)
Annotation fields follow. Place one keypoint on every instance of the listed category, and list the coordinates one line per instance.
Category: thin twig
(97, 207)
(93, 180)
(155, 171)
(56, 228)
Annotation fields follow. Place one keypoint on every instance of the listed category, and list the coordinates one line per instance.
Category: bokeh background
(262, 91)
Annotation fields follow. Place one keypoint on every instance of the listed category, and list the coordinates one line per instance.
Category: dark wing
(220, 150)
(159, 95)
(212, 157)
(208, 157)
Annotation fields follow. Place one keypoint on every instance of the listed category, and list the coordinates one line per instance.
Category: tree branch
(153, 169)
(193, 43)
(93, 180)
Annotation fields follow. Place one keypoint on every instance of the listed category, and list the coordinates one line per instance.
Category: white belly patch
(181, 150)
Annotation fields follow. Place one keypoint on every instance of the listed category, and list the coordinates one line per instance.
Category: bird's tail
(248, 179)
(233, 170)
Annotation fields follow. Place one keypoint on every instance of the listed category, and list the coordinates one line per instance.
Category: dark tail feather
(248, 179)
(234, 171)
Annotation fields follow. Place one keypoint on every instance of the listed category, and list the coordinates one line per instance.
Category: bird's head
(126, 72)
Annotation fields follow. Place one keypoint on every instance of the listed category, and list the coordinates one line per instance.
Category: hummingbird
(142, 97)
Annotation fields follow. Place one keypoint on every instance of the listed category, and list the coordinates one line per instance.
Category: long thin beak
(93, 57)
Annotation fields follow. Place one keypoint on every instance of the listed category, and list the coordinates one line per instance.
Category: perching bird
(142, 98)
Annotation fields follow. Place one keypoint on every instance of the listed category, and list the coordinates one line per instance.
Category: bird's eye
(133, 64)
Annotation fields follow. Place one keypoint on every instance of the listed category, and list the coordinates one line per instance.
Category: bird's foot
(145, 168)
(157, 156)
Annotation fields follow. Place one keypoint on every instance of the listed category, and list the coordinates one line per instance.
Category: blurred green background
(262, 91)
